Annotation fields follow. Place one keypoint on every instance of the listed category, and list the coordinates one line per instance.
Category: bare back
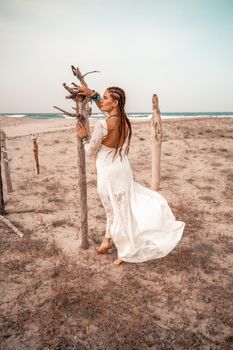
(111, 139)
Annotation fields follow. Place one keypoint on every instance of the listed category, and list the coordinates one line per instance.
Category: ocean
(136, 115)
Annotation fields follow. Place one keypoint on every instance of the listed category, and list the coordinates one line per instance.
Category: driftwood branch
(69, 89)
(156, 136)
(65, 112)
(75, 85)
(11, 226)
(79, 76)
(73, 93)
(93, 71)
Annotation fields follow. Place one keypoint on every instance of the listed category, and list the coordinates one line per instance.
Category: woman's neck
(113, 115)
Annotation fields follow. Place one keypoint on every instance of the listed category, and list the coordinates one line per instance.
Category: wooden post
(2, 210)
(82, 115)
(6, 161)
(156, 136)
(82, 194)
(35, 152)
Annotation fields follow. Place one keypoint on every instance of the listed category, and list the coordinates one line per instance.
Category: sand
(56, 296)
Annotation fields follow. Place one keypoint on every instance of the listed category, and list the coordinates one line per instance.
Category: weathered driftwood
(156, 135)
(6, 163)
(2, 209)
(81, 111)
(82, 115)
(11, 226)
(65, 112)
(35, 153)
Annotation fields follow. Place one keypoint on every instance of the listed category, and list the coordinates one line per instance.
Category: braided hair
(118, 94)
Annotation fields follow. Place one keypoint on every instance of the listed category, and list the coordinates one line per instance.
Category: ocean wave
(223, 116)
(16, 115)
(97, 115)
(141, 115)
(67, 117)
(193, 116)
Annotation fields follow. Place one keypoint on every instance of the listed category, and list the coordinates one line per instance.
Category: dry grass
(59, 307)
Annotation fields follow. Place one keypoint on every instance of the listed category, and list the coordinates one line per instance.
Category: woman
(139, 220)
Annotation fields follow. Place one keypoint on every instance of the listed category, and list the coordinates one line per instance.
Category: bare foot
(102, 250)
(118, 262)
(104, 247)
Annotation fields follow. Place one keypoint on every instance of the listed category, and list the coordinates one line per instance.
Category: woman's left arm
(91, 145)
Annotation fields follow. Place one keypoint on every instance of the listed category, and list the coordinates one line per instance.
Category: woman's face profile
(107, 103)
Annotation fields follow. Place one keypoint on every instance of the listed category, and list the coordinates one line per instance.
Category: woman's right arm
(98, 105)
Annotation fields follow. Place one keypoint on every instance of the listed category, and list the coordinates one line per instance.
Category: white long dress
(139, 220)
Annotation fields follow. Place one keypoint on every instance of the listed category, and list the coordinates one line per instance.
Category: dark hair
(118, 94)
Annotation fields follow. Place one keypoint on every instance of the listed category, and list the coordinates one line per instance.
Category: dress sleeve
(99, 133)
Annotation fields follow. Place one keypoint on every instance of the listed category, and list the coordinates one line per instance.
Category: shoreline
(19, 127)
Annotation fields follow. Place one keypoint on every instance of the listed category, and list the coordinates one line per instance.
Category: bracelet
(95, 96)
(85, 139)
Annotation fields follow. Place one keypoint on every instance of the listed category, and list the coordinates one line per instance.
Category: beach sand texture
(56, 296)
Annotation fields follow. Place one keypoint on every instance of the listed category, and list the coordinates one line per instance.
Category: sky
(182, 50)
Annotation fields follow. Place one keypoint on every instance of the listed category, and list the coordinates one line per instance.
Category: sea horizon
(131, 115)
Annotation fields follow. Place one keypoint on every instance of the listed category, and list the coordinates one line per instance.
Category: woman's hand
(83, 90)
(81, 130)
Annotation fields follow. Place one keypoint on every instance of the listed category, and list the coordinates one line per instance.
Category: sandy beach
(56, 296)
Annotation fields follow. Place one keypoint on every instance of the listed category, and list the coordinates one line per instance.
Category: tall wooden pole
(84, 118)
(2, 210)
(82, 193)
(82, 115)
(156, 136)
